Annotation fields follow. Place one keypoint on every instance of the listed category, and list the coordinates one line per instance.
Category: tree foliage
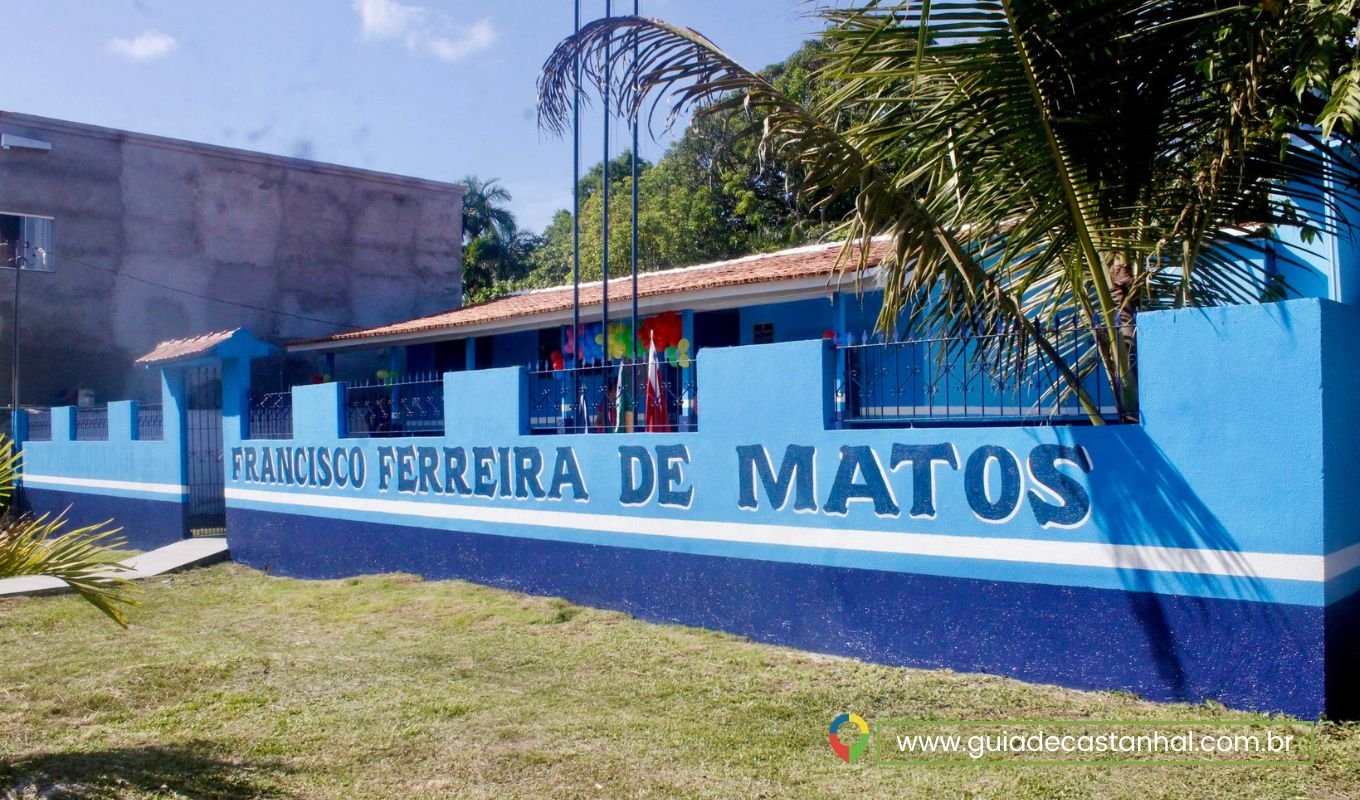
(708, 197)
(496, 253)
(1031, 160)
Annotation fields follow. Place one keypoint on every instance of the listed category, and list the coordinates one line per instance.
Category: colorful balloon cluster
(621, 343)
(591, 350)
(666, 329)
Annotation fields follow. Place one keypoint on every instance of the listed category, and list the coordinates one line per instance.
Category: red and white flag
(656, 397)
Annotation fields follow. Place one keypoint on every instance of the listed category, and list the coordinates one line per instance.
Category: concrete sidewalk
(171, 558)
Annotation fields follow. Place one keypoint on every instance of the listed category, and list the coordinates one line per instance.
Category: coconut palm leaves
(1031, 163)
(39, 546)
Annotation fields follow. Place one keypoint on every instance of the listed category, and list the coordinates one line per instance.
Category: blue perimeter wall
(1208, 552)
(140, 485)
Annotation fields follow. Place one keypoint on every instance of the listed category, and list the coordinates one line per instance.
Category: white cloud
(422, 30)
(479, 37)
(386, 19)
(145, 47)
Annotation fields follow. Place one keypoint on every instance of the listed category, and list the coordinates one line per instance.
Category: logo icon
(849, 753)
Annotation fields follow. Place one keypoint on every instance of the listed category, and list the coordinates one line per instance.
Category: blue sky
(433, 88)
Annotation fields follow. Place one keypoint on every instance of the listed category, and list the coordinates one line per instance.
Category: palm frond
(39, 546)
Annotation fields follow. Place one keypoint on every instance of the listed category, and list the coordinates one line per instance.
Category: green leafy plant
(80, 557)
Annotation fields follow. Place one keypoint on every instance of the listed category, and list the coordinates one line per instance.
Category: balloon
(382, 374)
(590, 343)
(671, 355)
(682, 353)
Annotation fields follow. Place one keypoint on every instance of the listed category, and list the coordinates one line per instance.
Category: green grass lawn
(234, 684)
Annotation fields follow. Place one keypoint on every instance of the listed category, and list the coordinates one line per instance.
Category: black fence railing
(92, 424)
(998, 378)
(588, 399)
(39, 424)
(411, 406)
(150, 422)
(271, 416)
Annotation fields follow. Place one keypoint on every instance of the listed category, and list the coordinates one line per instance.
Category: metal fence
(588, 399)
(150, 422)
(412, 406)
(39, 424)
(92, 424)
(995, 378)
(271, 416)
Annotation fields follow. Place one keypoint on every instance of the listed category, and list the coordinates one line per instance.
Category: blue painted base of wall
(1343, 658)
(147, 524)
(1162, 647)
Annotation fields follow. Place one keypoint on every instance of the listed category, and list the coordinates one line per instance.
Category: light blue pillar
(63, 424)
(317, 412)
(491, 404)
(122, 421)
(235, 399)
(174, 418)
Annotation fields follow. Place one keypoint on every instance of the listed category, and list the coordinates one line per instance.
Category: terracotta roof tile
(178, 349)
(801, 262)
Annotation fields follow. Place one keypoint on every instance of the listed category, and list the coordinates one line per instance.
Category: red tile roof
(801, 262)
(179, 349)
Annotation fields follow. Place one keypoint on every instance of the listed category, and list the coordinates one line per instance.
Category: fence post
(841, 377)
(687, 388)
(564, 403)
(63, 424)
(19, 426)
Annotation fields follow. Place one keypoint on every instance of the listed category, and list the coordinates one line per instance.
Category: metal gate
(203, 439)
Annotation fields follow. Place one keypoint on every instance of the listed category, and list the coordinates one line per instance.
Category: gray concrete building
(151, 238)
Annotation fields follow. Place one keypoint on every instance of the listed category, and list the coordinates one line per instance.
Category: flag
(656, 398)
(623, 404)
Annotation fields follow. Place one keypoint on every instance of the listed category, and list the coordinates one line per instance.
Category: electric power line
(167, 287)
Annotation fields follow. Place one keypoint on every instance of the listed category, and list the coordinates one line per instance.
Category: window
(762, 333)
(26, 241)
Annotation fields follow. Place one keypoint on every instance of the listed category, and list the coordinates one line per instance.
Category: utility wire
(169, 288)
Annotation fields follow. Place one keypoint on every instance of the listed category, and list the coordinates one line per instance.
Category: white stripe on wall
(1033, 551)
(1343, 561)
(99, 483)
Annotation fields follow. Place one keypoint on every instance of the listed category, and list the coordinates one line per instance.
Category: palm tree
(1033, 162)
(79, 557)
(484, 209)
(495, 250)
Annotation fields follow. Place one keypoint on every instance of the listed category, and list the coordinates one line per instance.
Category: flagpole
(604, 180)
(576, 220)
(632, 345)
